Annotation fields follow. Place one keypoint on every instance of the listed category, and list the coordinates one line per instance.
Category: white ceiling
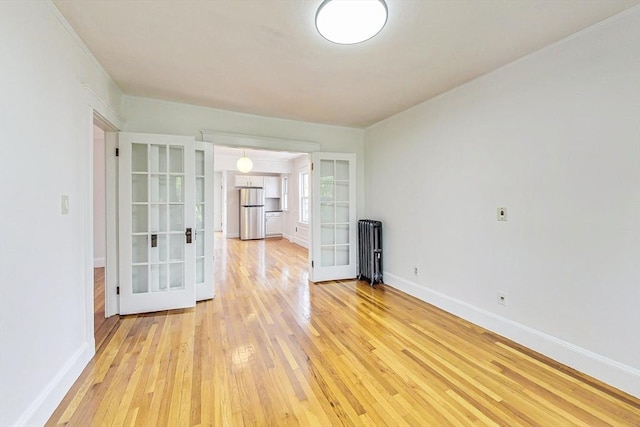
(265, 56)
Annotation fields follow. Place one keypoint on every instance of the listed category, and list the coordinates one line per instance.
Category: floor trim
(48, 400)
(616, 374)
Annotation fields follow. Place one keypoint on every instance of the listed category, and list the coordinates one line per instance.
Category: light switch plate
(64, 204)
(502, 214)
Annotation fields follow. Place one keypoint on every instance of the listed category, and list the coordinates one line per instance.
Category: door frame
(99, 112)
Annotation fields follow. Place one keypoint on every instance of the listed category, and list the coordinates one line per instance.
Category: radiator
(370, 250)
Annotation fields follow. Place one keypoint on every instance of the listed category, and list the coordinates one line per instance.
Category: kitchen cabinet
(273, 223)
(272, 187)
(249, 181)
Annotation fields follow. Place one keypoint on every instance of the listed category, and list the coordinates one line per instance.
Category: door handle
(154, 240)
(189, 235)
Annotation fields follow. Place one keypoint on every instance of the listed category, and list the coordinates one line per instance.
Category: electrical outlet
(502, 298)
(502, 214)
(415, 271)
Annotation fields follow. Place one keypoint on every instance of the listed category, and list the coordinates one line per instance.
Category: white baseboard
(301, 242)
(616, 374)
(233, 235)
(48, 400)
(99, 262)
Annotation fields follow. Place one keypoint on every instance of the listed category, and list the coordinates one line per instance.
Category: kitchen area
(262, 203)
(260, 206)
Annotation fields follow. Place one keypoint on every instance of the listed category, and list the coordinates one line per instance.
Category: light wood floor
(102, 326)
(272, 349)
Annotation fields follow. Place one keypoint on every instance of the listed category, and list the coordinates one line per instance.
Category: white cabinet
(272, 187)
(249, 181)
(273, 223)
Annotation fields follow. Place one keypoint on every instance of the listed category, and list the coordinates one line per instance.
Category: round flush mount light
(350, 21)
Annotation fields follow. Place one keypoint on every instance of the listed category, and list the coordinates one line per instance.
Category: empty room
(317, 213)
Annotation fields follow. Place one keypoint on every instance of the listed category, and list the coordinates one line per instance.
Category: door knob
(189, 235)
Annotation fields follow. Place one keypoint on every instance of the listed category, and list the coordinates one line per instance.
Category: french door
(157, 222)
(333, 217)
(204, 179)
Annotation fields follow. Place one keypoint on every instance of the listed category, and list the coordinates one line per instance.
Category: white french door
(333, 217)
(157, 222)
(204, 178)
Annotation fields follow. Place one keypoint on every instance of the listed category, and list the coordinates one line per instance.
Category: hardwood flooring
(102, 326)
(272, 349)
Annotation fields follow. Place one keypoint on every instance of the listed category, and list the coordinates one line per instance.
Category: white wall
(554, 137)
(45, 263)
(99, 198)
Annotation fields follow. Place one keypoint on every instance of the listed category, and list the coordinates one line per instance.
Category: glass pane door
(204, 220)
(333, 222)
(156, 211)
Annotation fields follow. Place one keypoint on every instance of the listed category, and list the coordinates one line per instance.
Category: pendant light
(350, 21)
(244, 164)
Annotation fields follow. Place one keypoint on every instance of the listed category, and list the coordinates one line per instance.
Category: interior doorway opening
(269, 166)
(102, 323)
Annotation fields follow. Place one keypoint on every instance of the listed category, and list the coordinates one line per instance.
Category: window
(304, 197)
(285, 193)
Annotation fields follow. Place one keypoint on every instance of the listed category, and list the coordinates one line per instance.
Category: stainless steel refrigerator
(252, 225)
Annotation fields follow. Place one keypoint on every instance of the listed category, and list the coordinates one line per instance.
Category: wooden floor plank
(274, 349)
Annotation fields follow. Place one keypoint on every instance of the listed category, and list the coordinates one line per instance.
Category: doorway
(278, 171)
(102, 324)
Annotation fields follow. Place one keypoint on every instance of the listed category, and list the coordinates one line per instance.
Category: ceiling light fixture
(350, 21)
(244, 164)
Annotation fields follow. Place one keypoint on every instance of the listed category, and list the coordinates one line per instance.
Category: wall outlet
(502, 214)
(415, 271)
(502, 298)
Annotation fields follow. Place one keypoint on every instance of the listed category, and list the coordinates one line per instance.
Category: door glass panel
(327, 256)
(176, 246)
(159, 253)
(342, 170)
(157, 218)
(342, 255)
(175, 189)
(176, 220)
(158, 277)
(175, 160)
(200, 217)
(342, 234)
(199, 270)
(327, 234)
(158, 158)
(139, 222)
(139, 249)
(200, 244)
(326, 170)
(163, 248)
(342, 212)
(158, 188)
(138, 188)
(326, 190)
(199, 163)
(342, 191)
(138, 158)
(199, 189)
(140, 279)
(176, 278)
(327, 213)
